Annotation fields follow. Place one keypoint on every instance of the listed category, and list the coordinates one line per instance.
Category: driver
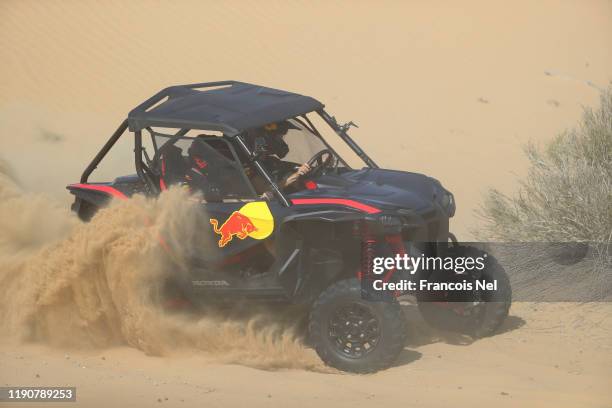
(267, 142)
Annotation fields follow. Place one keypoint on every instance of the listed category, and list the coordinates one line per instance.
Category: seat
(173, 166)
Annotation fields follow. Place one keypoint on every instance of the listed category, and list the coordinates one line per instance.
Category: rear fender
(91, 197)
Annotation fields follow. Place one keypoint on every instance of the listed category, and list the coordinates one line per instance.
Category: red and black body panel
(322, 230)
(91, 196)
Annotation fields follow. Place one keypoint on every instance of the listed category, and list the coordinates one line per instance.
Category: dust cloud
(95, 285)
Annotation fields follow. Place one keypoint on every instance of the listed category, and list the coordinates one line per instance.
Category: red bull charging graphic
(251, 220)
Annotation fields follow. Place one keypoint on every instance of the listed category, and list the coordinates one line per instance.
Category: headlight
(445, 200)
(448, 203)
(451, 204)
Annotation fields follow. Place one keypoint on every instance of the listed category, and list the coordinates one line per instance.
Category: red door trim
(337, 201)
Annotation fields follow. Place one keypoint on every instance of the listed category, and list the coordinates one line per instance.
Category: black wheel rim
(472, 312)
(354, 330)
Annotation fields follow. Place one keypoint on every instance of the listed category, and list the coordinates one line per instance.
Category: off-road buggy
(313, 244)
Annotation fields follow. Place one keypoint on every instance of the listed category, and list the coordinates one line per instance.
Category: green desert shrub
(567, 193)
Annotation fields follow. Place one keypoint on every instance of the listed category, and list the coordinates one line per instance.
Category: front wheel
(355, 335)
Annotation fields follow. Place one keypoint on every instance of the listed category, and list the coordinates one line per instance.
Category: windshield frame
(305, 122)
(340, 130)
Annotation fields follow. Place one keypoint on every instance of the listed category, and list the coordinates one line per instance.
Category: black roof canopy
(227, 106)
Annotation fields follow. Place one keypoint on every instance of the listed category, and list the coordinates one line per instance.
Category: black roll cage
(173, 138)
(151, 187)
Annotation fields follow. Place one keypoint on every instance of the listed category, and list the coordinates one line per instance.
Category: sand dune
(445, 88)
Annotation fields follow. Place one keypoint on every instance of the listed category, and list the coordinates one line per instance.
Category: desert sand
(449, 89)
(552, 355)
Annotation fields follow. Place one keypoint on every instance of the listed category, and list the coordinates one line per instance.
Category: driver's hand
(303, 169)
(268, 196)
(292, 178)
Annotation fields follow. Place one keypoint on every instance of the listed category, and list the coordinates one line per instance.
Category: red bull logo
(237, 224)
(252, 220)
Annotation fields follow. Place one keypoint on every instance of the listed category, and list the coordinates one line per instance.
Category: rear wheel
(355, 335)
(85, 210)
(475, 313)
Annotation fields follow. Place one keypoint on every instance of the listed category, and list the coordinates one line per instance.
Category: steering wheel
(319, 164)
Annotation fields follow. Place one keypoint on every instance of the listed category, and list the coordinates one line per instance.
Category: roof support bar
(150, 187)
(263, 172)
(107, 146)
